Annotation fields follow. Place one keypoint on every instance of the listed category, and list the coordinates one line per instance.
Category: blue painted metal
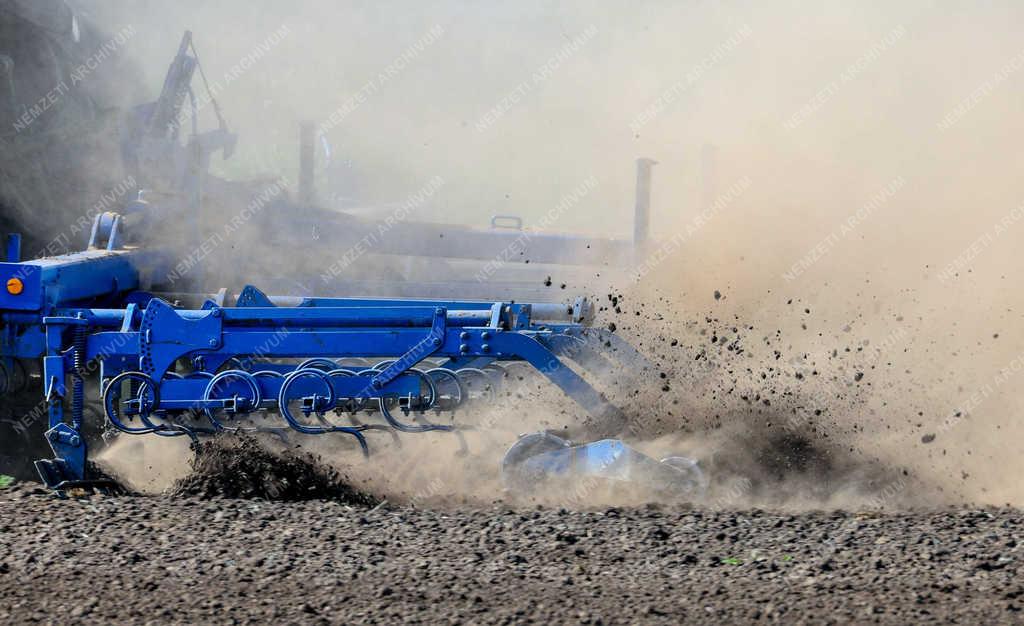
(68, 279)
(159, 362)
(13, 248)
(162, 356)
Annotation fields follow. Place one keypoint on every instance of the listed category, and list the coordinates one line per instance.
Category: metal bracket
(69, 448)
(429, 345)
(520, 315)
(163, 334)
(253, 297)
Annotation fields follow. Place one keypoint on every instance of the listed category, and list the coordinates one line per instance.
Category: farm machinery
(179, 365)
(171, 355)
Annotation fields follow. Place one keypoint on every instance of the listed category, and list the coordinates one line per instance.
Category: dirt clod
(244, 467)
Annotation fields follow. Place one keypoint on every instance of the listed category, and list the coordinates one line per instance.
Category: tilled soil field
(186, 559)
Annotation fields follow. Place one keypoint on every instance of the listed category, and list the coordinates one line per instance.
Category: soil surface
(243, 467)
(186, 559)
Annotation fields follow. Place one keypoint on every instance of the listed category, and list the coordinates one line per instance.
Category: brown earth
(161, 559)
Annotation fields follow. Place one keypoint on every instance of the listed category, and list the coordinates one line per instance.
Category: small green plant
(732, 561)
(6, 481)
(787, 558)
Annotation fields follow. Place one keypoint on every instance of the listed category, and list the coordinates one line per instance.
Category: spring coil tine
(408, 428)
(350, 405)
(282, 398)
(495, 367)
(165, 429)
(355, 404)
(499, 374)
(169, 428)
(360, 426)
(426, 425)
(430, 385)
(466, 372)
(147, 383)
(286, 413)
(445, 373)
(109, 398)
(267, 374)
(247, 378)
(317, 363)
(359, 438)
(320, 416)
(427, 379)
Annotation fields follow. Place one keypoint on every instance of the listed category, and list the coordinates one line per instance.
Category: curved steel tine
(317, 363)
(358, 425)
(282, 405)
(359, 437)
(408, 428)
(440, 373)
(247, 378)
(112, 401)
(488, 390)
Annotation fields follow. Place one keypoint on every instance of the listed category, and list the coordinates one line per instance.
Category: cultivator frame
(189, 371)
(193, 364)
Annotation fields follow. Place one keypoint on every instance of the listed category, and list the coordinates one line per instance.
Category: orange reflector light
(15, 286)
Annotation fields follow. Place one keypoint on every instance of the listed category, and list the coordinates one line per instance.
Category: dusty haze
(875, 149)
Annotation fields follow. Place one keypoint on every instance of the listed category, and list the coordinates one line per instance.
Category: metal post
(642, 216)
(307, 155)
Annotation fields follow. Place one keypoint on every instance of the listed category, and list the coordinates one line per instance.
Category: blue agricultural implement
(175, 357)
(285, 364)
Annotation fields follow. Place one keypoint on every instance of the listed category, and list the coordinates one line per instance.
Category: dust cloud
(836, 205)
